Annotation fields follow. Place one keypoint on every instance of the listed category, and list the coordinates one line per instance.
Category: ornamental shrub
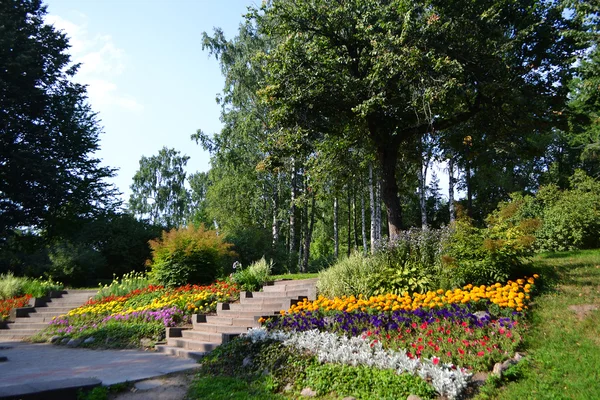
(410, 263)
(349, 276)
(253, 277)
(482, 256)
(188, 255)
(10, 286)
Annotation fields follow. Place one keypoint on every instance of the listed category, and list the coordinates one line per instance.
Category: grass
(294, 276)
(563, 347)
(230, 388)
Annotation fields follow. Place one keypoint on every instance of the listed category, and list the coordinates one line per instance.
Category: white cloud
(101, 64)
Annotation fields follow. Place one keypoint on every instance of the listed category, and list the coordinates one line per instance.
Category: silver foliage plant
(332, 348)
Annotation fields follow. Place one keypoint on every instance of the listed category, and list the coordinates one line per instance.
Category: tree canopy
(384, 73)
(48, 132)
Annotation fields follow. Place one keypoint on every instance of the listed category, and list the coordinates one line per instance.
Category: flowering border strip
(514, 294)
(332, 348)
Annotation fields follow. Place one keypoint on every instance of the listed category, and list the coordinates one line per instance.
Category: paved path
(31, 364)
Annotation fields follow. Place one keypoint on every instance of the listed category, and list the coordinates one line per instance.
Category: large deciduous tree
(48, 133)
(397, 70)
(158, 189)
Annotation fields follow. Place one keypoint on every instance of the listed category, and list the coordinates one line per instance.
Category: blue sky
(148, 78)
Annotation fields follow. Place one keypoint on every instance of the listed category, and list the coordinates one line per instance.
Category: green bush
(253, 277)
(411, 263)
(75, 264)
(188, 255)
(10, 286)
(13, 286)
(349, 276)
(40, 287)
(482, 256)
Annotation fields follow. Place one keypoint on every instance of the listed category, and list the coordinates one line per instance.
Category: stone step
(238, 313)
(210, 327)
(267, 300)
(287, 288)
(288, 294)
(12, 333)
(60, 310)
(36, 318)
(260, 308)
(188, 344)
(46, 315)
(19, 324)
(201, 336)
(179, 352)
(242, 322)
(312, 281)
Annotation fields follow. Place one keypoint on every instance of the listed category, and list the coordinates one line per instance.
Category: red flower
(461, 351)
(481, 353)
(436, 361)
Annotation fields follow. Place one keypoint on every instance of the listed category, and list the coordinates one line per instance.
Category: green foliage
(118, 335)
(48, 134)
(75, 264)
(127, 283)
(41, 287)
(351, 275)
(158, 191)
(483, 256)
(410, 263)
(12, 286)
(188, 255)
(251, 243)
(365, 382)
(255, 276)
(570, 218)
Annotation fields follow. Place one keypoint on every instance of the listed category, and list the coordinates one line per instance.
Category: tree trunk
(336, 237)
(373, 209)
(451, 208)
(469, 189)
(422, 177)
(377, 208)
(355, 219)
(349, 221)
(310, 224)
(275, 223)
(363, 222)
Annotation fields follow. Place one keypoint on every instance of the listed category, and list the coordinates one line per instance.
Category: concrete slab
(33, 364)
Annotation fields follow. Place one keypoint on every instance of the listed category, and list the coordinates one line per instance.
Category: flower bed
(467, 330)
(154, 308)
(9, 304)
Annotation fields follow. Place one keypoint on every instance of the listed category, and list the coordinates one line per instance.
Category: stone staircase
(30, 320)
(233, 319)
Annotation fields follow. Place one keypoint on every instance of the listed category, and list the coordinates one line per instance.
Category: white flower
(329, 347)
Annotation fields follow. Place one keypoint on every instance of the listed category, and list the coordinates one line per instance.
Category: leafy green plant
(74, 263)
(349, 276)
(410, 263)
(127, 283)
(41, 287)
(10, 286)
(365, 382)
(188, 255)
(253, 277)
(483, 256)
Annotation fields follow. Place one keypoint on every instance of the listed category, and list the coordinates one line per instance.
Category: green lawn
(563, 347)
(294, 276)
